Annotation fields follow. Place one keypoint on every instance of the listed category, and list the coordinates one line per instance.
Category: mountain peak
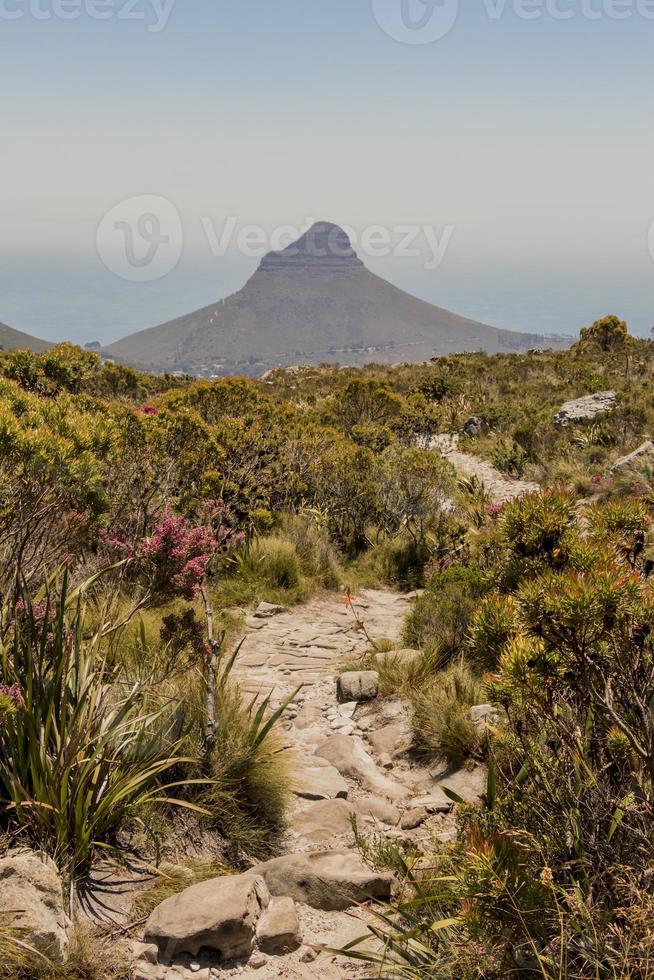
(324, 247)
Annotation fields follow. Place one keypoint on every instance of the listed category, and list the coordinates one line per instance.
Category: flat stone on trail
(220, 914)
(319, 780)
(323, 820)
(358, 685)
(278, 930)
(328, 880)
(349, 756)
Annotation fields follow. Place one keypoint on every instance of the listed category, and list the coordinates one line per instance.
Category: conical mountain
(312, 302)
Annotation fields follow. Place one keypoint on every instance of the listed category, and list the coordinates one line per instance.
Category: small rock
(323, 819)
(358, 685)
(194, 967)
(473, 426)
(319, 780)
(265, 610)
(349, 756)
(147, 952)
(278, 931)
(385, 761)
(414, 818)
(257, 961)
(308, 954)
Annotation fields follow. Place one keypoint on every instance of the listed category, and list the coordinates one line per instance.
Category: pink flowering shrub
(178, 556)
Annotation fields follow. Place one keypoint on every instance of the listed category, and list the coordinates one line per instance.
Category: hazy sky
(531, 140)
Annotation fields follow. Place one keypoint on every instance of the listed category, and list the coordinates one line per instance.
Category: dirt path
(497, 486)
(352, 760)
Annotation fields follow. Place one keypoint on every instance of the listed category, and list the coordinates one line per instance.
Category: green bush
(440, 617)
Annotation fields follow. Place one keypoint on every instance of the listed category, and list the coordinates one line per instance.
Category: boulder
(220, 914)
(643, 456)
(31, 902)
(585, 409)
(358, 685)
(278, 930)
(473, 426)
(349, 756)
(319, 780)
(328, 880)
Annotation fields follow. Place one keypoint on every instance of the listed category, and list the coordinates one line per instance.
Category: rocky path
(352, 760)
(495, 483)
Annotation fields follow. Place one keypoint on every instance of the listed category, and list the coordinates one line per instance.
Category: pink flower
(179, 556)
(597, 479)
(148, 410)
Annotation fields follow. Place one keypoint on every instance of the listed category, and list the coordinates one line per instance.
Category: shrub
(81, 752)
(439, 619)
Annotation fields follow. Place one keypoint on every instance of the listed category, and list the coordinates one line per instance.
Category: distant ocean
(77, 299)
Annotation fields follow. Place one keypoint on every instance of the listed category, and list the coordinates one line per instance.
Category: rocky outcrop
(31, 902)
(636, 460)
(358, 685)
(328, 880)
(220, 914)
(585, 409)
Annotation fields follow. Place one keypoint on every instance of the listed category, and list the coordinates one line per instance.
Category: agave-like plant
(85, 748)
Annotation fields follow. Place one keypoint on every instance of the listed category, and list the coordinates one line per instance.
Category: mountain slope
(314, 301)
(11, 339)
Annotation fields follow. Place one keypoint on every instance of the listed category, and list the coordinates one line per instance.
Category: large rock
(585, 409)
(220, 914)
(328, 880)
(643, 456)
(358, 685)
(322, 820)
(349, 756)
(31, 902)
(278, 931)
